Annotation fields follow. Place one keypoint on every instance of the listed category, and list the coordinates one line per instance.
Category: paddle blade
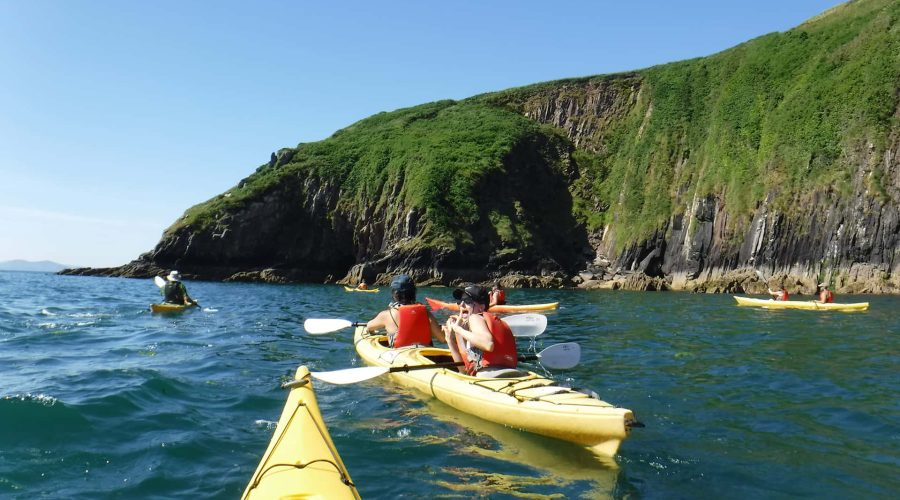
(160, 282)
(321, 326)
(526, 325)
(350, 375)
(560, 356)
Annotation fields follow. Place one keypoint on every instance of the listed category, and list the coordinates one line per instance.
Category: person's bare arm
(477, 334)
(436, 331)
(379, 322)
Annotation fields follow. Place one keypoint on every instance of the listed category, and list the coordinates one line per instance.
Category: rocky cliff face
(305, 229)
(775, 162)
(849, 239)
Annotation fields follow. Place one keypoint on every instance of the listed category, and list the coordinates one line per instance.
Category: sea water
(100, 398)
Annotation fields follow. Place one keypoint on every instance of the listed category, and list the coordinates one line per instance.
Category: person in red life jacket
(498, 295)
(477, 338)
(780, 294)
(825, 295)
(362, 285)
(406, 321)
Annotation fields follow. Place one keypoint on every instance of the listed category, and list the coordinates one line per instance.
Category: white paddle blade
(560, 356)
(160, 282)
(526, 325)
(320, 326)
(350, 375)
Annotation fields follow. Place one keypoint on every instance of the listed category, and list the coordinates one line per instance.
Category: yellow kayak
(529, 402)
(301, 460)
(164, 307)
(809, 305)
(505, 308)
(351, 289)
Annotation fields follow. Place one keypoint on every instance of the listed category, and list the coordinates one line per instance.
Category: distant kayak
(350, 289)
(808, 305)
(164, 307)
(439, 304)
(301, 460)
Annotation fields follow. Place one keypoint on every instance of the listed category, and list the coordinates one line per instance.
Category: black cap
(402, 283)
(478, 293)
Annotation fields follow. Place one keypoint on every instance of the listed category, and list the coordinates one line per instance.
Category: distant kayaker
(498, 295)
(780, 294)
(477, 338)
(175, 291)
(406, 321)
(362, 285)
(825, 295)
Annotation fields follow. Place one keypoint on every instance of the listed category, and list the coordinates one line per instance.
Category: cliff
(778, 157)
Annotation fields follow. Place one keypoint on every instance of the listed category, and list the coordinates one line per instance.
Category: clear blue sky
(117, 116)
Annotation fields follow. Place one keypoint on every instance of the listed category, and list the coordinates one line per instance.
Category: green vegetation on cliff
(781, 115)
(430, 157)
(786, 113)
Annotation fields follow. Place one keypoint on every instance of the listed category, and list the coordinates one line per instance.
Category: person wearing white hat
(175, 291)
(825, 295)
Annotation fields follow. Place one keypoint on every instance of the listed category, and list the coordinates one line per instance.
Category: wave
(38, 420)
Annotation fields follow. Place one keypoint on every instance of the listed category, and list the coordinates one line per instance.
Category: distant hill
(43, 266)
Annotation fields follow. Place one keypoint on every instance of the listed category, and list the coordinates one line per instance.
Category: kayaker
(825, 295)
(406, 321)
(175, 291)
(477, 338)
(498, 295)
(362, 285)
(780, 294)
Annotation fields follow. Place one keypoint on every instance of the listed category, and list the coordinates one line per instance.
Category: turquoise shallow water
(99, 398)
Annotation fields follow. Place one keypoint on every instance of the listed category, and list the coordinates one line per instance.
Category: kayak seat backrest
(501, 373)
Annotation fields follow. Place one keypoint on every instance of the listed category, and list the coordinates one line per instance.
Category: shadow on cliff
(526, 224)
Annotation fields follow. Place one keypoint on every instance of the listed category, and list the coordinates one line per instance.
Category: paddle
(557, 356)
(522, 325)
(315, 326)
(526, 325)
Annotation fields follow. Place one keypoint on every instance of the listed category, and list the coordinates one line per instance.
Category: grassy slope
(437, 152)
(785, 113)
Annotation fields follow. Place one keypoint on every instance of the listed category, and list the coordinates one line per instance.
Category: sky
(117, 116)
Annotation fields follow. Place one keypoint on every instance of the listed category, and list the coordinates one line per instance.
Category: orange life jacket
(413, 326)
(501, 297)
(504, 354)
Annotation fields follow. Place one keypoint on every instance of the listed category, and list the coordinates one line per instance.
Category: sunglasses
(467, 299)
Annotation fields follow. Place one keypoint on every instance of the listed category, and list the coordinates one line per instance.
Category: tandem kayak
(528, 402)
(301, 460)
(809, 305)
(505, 308)
(164, 307)
(350, 289)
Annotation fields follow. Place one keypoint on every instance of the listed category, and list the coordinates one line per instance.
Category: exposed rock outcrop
(749, 169)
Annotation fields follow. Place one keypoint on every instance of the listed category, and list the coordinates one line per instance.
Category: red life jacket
(504, 354)
(413, 326)
(501, 297)
(826, 296)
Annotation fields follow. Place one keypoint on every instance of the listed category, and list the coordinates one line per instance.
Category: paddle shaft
(447, 364)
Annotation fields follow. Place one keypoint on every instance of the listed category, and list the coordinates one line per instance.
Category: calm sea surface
(99, 398)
